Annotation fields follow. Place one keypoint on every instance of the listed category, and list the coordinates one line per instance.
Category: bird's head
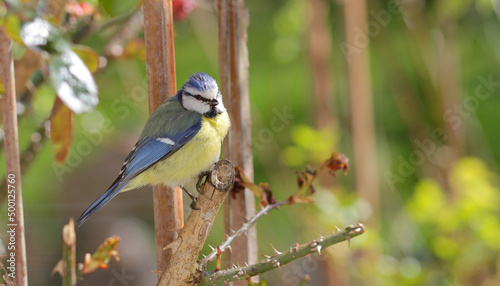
(200, 93)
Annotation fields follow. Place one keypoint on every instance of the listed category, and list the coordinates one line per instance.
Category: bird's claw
(193, 199)
(193, 204)
(200, 178)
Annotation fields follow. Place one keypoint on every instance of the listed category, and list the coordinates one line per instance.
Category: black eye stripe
(198, 97)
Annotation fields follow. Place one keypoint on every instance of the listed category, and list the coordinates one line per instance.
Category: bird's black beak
(214, 102)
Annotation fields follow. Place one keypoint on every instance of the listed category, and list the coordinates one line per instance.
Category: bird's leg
(200, 178)
(193, 198)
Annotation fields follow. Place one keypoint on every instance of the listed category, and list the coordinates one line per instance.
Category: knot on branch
(222, 175)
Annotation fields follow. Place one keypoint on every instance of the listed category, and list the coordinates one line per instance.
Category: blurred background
(407, 89)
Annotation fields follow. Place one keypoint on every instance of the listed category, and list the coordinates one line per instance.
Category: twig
(279, 259)
(133, 23)
(66, 267)
(69, 253)
(13, 167)
(120, 20)
(244, 228)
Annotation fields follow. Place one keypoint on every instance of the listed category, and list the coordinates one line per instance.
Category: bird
(180, 142)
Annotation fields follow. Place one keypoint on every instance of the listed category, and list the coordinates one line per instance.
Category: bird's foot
(200, 179)
(193, 199)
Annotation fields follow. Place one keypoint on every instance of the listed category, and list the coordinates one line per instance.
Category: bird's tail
(100, 202)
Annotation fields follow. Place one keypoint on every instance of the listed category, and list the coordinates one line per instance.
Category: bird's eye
(199, 97)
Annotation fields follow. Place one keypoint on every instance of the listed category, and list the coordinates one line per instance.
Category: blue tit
(181, 140)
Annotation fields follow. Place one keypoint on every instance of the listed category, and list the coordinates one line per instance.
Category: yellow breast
(196, 156)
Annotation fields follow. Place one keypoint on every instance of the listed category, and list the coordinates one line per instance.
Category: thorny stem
(277, 260)
(247, 225)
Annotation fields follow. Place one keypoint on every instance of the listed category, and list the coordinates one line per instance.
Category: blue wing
(145, 154)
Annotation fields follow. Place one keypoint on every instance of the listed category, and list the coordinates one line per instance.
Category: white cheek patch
(220, 107)
(191, 103)
(167, 141)
(208, 94)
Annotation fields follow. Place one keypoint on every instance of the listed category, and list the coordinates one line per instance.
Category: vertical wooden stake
(233, 63)
(160, 61)
(365, 159)
(12, 159)
(320, 60)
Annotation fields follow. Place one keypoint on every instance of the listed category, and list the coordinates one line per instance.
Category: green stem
(280, 259)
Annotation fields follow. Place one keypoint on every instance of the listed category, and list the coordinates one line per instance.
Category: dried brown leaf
(102, 256)
(61, 130)
(336, 162)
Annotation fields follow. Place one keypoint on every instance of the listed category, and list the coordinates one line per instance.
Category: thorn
(313, 243)
(246, 264)
(349, 241)
(240, 273)
(276, 264)
(235, 276)
(318, 248)
(234, 266)
(226, 236)
(320, 238)
(232, 231)
(211, 247)
(204, 256)
(338, 229)
(266, 256)
(230, 248)
(276, 252)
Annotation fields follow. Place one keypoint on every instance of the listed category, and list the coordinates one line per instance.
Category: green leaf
(73, 82)
(41, 35)
(118, 7)
(12, 25)
(61, 130)
(88, 56)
